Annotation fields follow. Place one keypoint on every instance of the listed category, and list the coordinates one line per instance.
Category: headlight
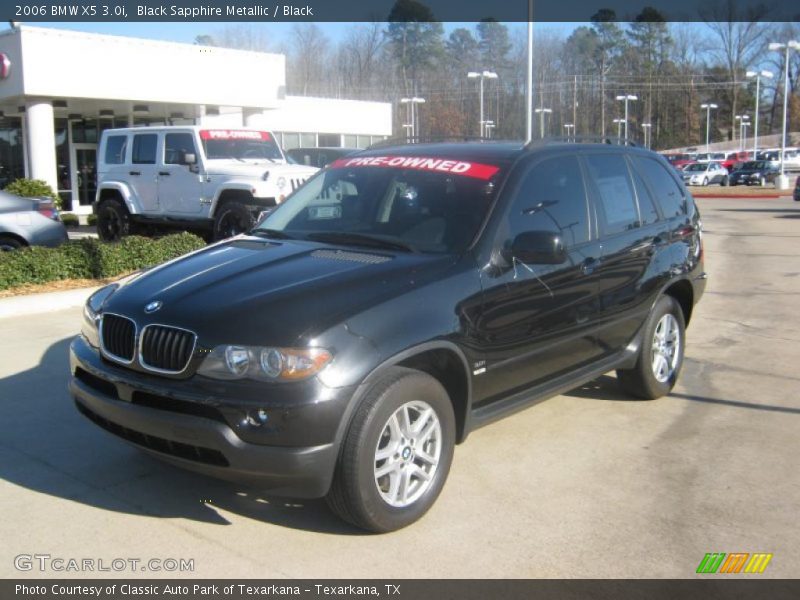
(91, 313)
(264, 363)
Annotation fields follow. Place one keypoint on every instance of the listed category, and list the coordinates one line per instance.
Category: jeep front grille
(166, 349)
(296, 183)
(118, 337)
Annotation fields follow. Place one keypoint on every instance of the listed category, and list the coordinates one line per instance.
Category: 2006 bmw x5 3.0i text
(401, 298)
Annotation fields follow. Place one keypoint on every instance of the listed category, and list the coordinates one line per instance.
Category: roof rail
(400, 141)
(581, 139)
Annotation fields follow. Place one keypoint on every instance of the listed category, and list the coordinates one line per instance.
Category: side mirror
(538, 247)
(189, 158)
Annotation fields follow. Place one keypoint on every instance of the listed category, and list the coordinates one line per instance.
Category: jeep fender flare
(121, 190)
(240, 187)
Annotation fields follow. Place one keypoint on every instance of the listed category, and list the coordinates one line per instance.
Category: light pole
(482, 75)
(412, 104)
(646, 127)
(541, 112)
(488, 126)
(758, 75)
(569, 127)
(783, 183)
(708, 108)
(619, 123)
(745, 125)
(626, 98)
(741, 119)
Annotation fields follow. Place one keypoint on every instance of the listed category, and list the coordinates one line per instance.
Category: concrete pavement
(587, 484)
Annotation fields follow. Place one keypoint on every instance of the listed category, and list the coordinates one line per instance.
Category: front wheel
(397, 453)
(113, 220)
(8, 243)
(231, 219)
(725, 181)
(661, 353)
(705, 181)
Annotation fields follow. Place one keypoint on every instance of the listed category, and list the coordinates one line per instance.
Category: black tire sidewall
(231, 208)
(12, 243)
(416, 385)
(103, 210)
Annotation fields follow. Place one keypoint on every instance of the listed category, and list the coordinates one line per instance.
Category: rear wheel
(705, 181)
(232, 218)
(8, 243)
(661, 354)
(762, 182)
(725, 181)
(397, 453)
(113, 220)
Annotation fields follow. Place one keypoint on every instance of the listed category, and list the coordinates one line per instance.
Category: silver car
(29, 222)
(705, 173)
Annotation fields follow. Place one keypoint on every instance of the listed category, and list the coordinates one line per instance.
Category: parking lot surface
(587, 484)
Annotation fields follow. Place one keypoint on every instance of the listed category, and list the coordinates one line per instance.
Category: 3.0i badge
(153, 306)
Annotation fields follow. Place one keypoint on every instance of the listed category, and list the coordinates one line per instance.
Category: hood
(257, 168)
(253, 291)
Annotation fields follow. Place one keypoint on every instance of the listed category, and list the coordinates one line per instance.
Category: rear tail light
(48, 210)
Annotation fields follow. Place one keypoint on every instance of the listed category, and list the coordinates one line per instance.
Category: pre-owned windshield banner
(420, 163)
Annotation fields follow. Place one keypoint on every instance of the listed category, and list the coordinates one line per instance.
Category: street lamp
(646, 127)
(741, 119)
(412, 104)
(569, 127)
(745, 125)
(482, 75)
(708, 108)
(541, 112)
(626, 98)
(778, 46)
(619, 123)
(758, 75)
(488, 126)
(409, 133)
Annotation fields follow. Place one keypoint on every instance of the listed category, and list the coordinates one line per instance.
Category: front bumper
(195, 435)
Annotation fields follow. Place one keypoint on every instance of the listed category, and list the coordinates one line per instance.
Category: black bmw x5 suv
(400, 299)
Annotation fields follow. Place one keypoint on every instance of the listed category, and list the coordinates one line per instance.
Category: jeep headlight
(264, 363)
(91, 313)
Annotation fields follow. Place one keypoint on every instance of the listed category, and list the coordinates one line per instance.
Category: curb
(33, 304)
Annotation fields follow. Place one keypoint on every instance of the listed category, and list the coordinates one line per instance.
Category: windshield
(239, 144)
(698, 167)
(436, 206)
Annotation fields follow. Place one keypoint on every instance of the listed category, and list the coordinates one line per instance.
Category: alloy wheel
(666, 348)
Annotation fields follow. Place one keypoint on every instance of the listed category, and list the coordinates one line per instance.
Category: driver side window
(552, 197)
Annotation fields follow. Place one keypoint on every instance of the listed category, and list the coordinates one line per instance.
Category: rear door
(536, 319)
(142, 174)
(630, 232)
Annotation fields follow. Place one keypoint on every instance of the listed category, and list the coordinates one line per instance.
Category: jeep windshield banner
(233, 134)
(421, 163)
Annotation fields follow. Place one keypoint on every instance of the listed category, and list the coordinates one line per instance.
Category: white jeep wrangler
(214, 181)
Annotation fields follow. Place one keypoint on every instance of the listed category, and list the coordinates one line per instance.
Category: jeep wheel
(661, 354)
(113, 220)
(397, 452)
(231, 219)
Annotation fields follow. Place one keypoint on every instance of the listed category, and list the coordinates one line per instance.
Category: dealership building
(60, 89)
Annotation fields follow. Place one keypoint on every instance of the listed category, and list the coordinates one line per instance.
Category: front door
(537, 319)
(179, 184)
(84, 175)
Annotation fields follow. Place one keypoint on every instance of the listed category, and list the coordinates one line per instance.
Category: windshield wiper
(358, 239)
(275, 234)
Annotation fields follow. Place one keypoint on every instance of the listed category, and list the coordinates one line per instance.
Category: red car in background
(734, 158)
(679, 160)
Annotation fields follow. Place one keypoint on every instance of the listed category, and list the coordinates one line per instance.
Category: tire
(373, 501)
(113, 220)
(705, 181)
(232, 218)
(762, 182)
(8, 243)
(725, 181)
(642, 381)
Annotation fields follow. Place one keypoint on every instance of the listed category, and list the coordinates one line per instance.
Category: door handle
(589, 265)
(164, 173)
(134, 172)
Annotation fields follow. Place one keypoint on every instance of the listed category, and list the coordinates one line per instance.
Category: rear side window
(116, 146)
(666, 189)
(617, 201)
(552, 197)
(176, 147)
(144, 148)
(647, 209)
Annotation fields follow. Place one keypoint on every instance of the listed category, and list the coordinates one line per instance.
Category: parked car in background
(29, 222)
(797, 190)
(711, 156)
(212, 181)
(318, 157)
(679, 161)
(705, 173)
(755, 172)
(732, 158)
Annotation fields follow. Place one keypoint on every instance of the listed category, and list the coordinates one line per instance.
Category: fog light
(255, 418)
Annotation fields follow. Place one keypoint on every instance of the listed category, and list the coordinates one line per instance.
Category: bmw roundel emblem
(153, 306)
